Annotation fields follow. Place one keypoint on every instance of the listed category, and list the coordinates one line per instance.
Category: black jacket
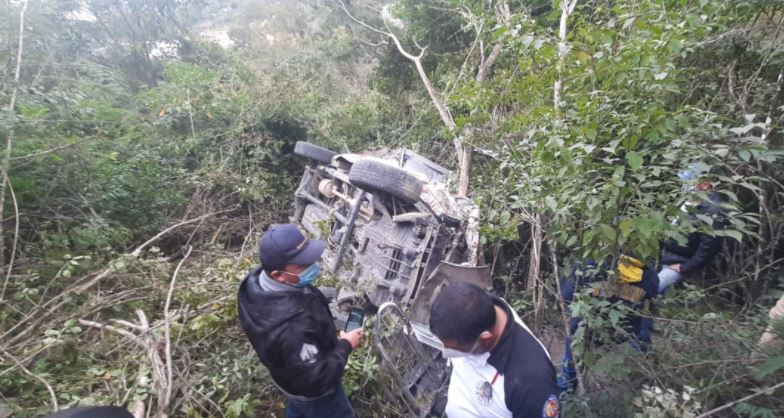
(294, 336)
(700, 248)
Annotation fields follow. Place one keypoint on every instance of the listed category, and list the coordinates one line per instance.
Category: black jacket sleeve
(313, 371)
(537, 399)
(708, 247)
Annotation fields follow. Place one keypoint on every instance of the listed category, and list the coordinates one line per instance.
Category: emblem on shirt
(484, 392)
(308, 353)
(551, 407)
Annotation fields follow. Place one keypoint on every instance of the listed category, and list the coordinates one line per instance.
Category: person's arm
(708, 248)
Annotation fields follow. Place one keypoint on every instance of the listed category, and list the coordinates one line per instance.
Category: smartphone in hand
(356, 317)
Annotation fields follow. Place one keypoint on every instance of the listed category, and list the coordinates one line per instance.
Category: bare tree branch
(131, 336)
(463, 152)
(190, 113)
(567, 7)
(141, 248)
(52, 395)
(9, 139)
(443, 111)
(487, 64)
(768, 391)
(57, 148)
(54, 304)
(18, 70)
(10, 266)
(167, 328)
(161, 372)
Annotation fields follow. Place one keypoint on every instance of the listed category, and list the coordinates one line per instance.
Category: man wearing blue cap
(289, 324)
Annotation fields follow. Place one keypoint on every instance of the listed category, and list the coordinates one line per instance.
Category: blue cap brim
(310, 254)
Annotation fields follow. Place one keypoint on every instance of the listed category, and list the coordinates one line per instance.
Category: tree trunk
(567, 7)
(534, 266)
(9, 139)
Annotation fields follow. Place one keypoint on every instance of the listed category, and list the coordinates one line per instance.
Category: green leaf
(608, 232)
(634, 159)
(551, 203)
(646, 226)
(730, 233)
(615, 316)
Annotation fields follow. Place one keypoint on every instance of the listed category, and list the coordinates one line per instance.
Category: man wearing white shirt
(499, 368)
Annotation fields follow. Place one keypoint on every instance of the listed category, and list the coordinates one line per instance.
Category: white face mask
(452, 353)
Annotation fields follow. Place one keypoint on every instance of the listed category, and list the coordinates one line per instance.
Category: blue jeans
(334, 405)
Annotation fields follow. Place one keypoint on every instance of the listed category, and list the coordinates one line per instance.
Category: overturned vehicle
(394, 236)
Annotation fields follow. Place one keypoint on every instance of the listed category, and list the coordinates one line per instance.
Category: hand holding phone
(353, 330)
(353, 337)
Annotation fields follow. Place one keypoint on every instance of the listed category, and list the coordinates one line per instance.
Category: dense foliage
(120, 128)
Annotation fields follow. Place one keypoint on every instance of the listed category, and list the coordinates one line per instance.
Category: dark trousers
(334, 405)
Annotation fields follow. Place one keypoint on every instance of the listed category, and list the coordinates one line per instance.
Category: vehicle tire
(371, 175)
(314, 152)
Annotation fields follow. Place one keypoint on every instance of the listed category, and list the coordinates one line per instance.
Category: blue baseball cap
(694, 171)
(284, 244)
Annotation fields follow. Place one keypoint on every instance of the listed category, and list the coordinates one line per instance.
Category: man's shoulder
(528, 359)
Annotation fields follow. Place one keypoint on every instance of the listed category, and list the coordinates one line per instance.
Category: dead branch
(534, 267)
(486, 65)
(190, 113)
(160, 377)
(18, 70)
(167, 328)
(55, 405)
(135, 253)
(57, 148)
(145, 340)
(54, 304)
(9, 138)
(10, 266)
(127, 324)
(250, 231)
(131, 336)
(567, 7)
(443, 111)
(768, 391)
